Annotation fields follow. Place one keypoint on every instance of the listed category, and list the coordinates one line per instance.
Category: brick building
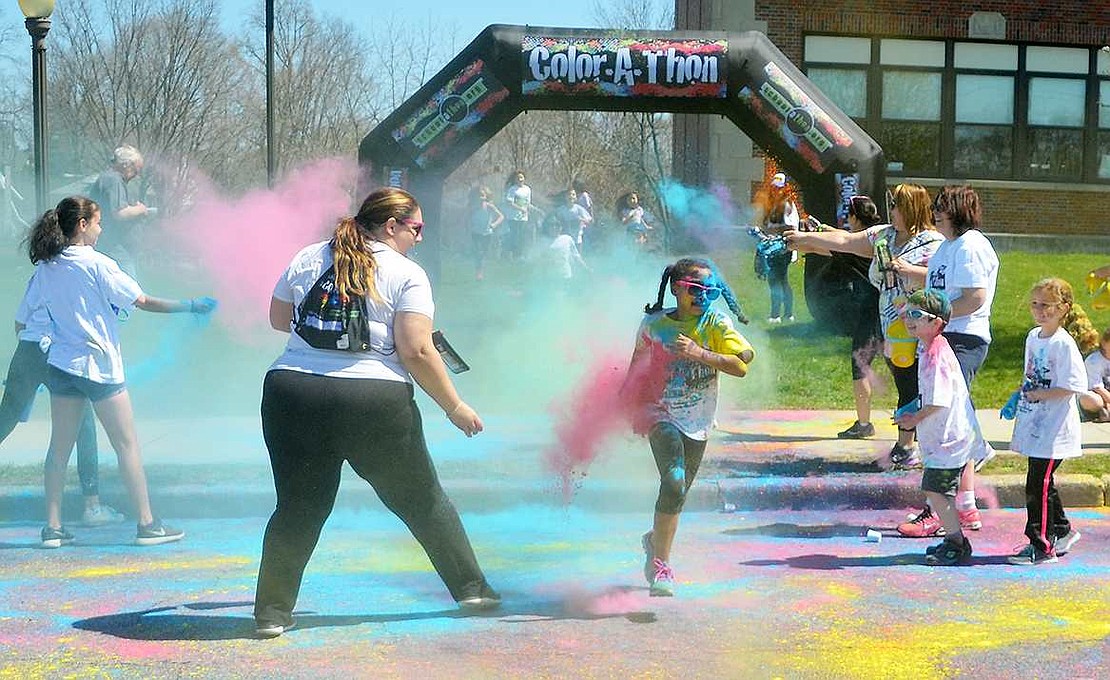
(1012, 97)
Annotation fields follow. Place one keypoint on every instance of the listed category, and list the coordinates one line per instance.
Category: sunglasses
(416, 227)
(891, 204)
(918, 314)
(697, 289)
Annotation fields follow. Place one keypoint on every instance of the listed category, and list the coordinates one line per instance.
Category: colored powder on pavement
(111, 570)
(245, 243)
(842, 642)
(611, 602)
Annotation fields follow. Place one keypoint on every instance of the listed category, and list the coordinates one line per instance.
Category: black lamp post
(271, 164)
(38, 24)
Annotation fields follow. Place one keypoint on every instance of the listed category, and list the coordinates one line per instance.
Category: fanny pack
(327, 320)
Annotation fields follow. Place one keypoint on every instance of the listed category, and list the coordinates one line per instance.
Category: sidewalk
(218, 467)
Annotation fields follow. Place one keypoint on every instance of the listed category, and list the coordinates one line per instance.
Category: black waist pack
(326, 320)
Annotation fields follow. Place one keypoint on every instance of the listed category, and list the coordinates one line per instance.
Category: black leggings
(678, 458)
(312, 424)
(905, 381)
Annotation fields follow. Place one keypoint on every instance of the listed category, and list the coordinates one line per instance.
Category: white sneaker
(790, 318)
(774, 319)
(101, 515)
(1064, 543)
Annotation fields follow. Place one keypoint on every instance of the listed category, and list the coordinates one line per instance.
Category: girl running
(685, 347)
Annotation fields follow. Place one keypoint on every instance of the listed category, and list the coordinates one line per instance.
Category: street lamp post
(38, 14)
(271, 163)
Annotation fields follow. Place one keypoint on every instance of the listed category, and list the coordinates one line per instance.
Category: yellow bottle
(901, 346)
(1099, 288)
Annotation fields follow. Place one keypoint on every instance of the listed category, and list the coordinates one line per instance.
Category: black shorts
(944, 481)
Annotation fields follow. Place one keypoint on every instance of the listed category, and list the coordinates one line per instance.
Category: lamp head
(36, 9)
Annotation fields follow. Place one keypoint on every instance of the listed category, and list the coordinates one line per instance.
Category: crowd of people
(514, 228)
(359, 315)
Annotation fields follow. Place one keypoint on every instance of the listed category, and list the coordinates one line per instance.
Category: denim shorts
(944, 481)
(62, 384)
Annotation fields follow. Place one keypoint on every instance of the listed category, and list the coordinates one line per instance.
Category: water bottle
(886, 264)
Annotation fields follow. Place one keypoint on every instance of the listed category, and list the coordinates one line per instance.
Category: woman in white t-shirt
(325, 404)
(908, 241)
(83, 292)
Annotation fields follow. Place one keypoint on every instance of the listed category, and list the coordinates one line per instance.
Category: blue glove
(1009, 410)
(203, 305)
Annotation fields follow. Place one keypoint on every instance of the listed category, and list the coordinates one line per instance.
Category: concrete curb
(833, 492)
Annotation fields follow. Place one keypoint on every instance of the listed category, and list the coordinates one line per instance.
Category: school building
(1012, 97)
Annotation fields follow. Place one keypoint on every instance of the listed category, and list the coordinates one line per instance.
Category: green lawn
(823, 376)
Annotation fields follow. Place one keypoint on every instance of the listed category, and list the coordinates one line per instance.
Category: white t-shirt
(403, 286)
(564, 256)
(966, 262)
(35, 320)
(951, 437)
(83, 292)
(1050, 429)
(519, 198)
(1098, 370)
(689, 397)
(918, 250)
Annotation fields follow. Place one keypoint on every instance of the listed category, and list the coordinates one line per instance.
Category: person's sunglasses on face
(696, 289)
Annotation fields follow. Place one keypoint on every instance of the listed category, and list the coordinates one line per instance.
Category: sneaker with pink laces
(924, 525)
(970, 519)
(662, 582)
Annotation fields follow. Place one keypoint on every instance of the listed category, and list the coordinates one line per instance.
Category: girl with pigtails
(679, 352)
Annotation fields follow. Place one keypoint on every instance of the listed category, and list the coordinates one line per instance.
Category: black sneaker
(858, 430)
(952, 552)
(904, 458)
(157, 533)
(487, 598)
(56, 538)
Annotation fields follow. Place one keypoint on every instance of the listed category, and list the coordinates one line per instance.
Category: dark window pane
(1054, 152)
(984, 151)
(1104, 155)
(912, 148)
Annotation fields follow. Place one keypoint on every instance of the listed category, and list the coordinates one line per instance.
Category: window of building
(972, 109)
(847, 88)
(911, 121)
(983, 131)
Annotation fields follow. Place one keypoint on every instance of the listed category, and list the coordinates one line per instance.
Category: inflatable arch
(507, 70)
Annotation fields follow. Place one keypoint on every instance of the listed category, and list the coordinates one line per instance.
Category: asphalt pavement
(764, 594)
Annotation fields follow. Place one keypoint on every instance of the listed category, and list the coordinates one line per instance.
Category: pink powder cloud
(245, 243)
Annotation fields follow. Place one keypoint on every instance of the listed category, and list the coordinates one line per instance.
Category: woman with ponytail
(689, 344)
(83, 292)
(353, 402)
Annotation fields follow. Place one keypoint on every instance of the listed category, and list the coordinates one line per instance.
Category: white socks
(965, 500)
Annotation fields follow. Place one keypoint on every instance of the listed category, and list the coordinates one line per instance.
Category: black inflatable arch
(507, 70)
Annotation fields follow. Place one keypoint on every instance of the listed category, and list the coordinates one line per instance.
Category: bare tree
(157, 74)
(407, 55)
(650, 14)
(324, 97)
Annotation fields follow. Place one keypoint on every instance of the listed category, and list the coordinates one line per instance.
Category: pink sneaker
(924, 525)
(970, 519)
